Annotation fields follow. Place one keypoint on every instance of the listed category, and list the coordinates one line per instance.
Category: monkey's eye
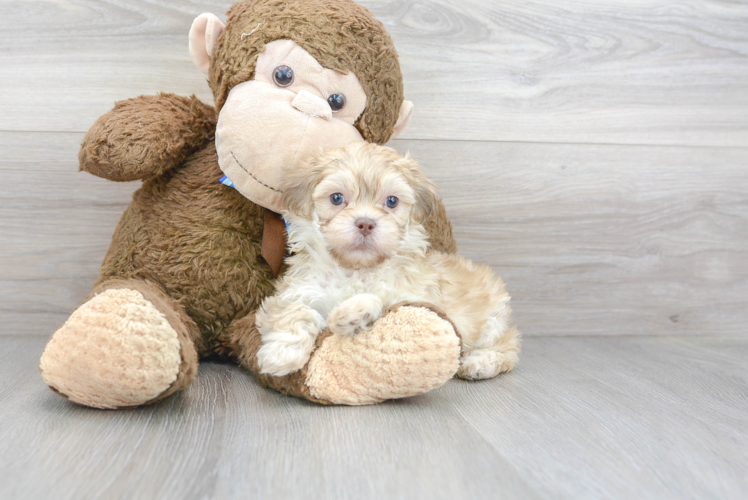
(337, 198)
(391, 202)
(283, 76)
(336, 102)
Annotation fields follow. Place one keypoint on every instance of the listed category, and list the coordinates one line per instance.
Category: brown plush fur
(191, 244)
(341, 36)
(197, 239)
(150, 136)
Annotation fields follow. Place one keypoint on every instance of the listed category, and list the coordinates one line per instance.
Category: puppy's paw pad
(479, 365)
(347, 325)
(354, 314)
(349, 322)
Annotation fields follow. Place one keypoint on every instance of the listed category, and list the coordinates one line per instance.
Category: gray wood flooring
(582, 417)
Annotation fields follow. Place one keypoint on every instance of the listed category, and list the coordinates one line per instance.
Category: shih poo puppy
(358, 246)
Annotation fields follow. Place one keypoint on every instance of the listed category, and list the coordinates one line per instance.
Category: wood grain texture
(590, 239)
(55, 227)
(580, 418)
(603, 239)
(651, 72)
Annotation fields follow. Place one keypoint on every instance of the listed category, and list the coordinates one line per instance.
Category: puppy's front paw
(281, 357)
(355, 314)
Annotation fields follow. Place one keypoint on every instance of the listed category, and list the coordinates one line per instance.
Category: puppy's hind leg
(476, 301)
(495, 352)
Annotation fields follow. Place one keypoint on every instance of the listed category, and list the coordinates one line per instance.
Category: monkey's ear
(204, 33)
(406, 111)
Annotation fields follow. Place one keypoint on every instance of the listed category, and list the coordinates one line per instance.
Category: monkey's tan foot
(119, 350)
(409, 351)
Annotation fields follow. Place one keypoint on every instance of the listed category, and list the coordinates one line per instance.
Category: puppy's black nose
(365, 225)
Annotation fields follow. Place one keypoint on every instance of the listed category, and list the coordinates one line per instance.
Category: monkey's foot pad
(115, 350)
(409, 351)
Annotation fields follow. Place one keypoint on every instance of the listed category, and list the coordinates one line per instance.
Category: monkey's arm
(146, 136)
(440, 230)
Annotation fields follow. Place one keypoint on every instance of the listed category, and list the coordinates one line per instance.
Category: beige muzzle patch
(257, 158)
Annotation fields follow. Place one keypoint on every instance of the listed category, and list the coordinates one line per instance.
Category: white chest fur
(319, 281)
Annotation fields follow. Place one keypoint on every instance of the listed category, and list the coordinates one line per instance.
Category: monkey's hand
(146, 136)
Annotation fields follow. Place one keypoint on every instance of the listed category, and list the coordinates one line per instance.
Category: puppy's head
(364, 196)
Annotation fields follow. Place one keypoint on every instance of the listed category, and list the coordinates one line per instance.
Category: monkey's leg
(128, 345)
(408, 351)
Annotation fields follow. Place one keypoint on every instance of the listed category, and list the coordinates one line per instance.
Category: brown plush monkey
(189, 261)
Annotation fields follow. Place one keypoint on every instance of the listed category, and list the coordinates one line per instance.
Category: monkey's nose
(365, 226)
(311, 104)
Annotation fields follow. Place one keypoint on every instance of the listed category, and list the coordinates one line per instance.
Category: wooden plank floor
(594, 418)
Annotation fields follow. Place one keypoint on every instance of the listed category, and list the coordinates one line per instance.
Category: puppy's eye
(391, 202)
(283, 76)
(336, 102)
(337, 199)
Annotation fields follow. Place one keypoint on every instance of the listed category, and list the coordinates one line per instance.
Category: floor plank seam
(486, 141)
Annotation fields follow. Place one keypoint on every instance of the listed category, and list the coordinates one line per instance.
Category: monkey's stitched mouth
(252, 176)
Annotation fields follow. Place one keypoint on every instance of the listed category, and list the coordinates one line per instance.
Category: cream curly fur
(352, 260)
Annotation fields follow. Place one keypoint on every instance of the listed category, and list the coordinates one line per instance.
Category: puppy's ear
(423, 188)
(299, 185)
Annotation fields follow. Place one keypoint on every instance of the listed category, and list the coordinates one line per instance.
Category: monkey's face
(296, 104)
(290, 110)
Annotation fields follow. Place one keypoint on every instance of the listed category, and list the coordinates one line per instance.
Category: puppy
(358, 247)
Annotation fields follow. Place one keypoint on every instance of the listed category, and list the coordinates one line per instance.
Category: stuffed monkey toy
(192, 257)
